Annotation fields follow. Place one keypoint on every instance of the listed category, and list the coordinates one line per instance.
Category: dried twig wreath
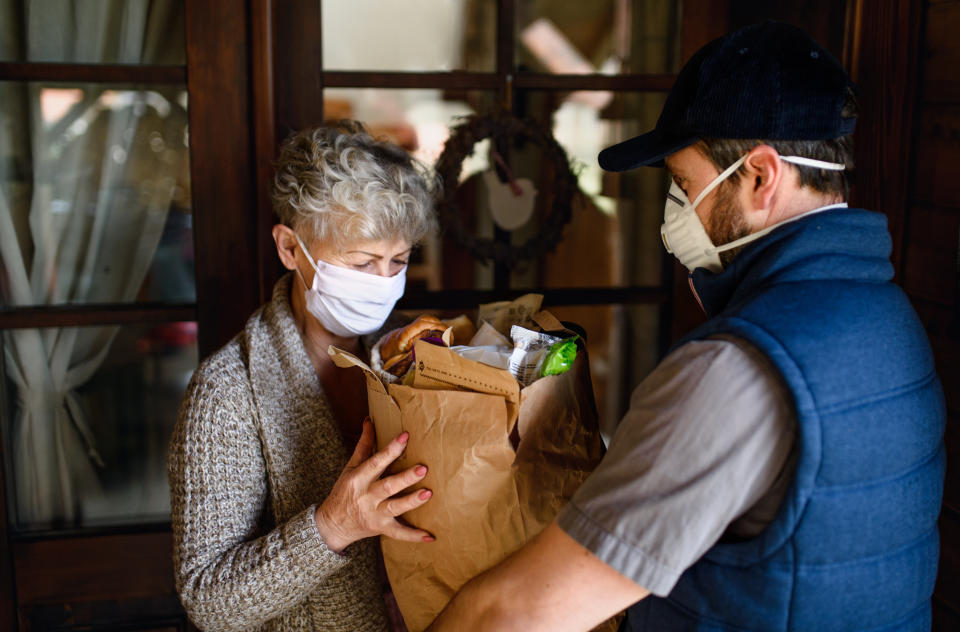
(460, 145)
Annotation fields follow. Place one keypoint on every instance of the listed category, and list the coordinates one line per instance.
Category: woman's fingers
(402, 504)
(361, 504)
(387, 487)
(365, 446)
(399, 531)
(377, 464)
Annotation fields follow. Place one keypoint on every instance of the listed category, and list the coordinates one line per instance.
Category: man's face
(721, 212)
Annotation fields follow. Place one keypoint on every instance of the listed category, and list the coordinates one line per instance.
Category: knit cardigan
(255, 449)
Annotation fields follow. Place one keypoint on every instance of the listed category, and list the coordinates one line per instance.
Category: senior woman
(272, 517)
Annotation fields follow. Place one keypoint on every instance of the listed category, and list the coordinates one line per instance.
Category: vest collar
(838, 243)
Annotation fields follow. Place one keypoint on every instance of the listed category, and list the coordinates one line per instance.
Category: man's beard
(728, 223)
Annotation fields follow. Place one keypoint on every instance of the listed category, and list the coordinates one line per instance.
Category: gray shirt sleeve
(705, 448)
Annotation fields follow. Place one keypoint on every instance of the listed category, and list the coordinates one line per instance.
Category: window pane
(623, 344)
(613, 237)
(92, 452)
(413, 35)
(417, 120)
(93, 31)
(602, 36)
(95, 186)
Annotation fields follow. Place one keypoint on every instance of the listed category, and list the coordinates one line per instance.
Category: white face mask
(684, 235)
(348, 302)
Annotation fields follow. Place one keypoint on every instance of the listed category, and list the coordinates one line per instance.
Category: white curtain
(79, 223)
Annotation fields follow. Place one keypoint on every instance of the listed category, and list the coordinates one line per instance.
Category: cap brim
(646, 150)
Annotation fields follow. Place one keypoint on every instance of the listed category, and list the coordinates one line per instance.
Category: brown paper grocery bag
(489, 497)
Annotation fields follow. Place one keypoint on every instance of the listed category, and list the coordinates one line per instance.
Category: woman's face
(384, 257)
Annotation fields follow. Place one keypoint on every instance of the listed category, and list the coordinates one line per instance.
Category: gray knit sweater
(254, 451)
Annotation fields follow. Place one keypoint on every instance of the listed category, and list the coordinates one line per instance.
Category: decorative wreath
(460, 145)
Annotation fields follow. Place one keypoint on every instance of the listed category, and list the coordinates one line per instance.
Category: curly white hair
(340, 185)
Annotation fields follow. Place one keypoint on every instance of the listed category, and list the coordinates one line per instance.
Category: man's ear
(287, 247)
(764, 170)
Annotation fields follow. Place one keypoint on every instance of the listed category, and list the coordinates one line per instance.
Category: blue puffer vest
(854, 545)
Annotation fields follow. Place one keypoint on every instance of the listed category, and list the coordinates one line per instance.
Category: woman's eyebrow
(377, 256)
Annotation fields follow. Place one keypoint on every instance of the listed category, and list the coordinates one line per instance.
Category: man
(782, 468)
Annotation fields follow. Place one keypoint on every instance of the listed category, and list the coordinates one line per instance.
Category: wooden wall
(930, 258)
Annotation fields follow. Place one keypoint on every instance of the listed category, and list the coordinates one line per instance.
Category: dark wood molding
(883, 58)
(263, 38)
(555, 297)
(148, 614)
(702, 21)
(506, 37)
(456, 80)
(941, 92)
(298, 51)
(92, 73)
(287, 96)
(619, 83)
(109, 567)
(95, 314)
(8, 586)
(222, 168)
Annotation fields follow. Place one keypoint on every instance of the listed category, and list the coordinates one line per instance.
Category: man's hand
(552, 583)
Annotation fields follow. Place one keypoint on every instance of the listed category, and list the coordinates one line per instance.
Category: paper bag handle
(345, 360)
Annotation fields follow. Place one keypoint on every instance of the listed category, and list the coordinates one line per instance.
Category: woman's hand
(362, 504)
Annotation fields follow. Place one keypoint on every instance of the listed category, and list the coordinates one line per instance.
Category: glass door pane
(93, 31)
(92, 452)
(95, 184)
(94, 209)
(413, 35)
(603, 36)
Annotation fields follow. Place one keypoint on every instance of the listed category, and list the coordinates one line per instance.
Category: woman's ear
(287, 246)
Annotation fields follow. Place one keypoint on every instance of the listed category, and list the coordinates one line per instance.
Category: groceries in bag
(502, 457)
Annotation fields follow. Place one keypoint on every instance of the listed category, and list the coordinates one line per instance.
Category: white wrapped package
(491, 355)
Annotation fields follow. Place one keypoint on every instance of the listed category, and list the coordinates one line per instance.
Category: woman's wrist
(328, 531)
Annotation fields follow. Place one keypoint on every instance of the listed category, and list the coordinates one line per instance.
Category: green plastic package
(560, 357)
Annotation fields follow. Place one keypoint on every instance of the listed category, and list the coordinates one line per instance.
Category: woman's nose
(384, 269)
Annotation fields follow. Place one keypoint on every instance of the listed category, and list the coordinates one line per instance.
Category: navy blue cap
(768, 81)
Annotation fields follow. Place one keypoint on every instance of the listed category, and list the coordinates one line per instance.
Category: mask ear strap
(307, 254)
(313, 265)
(720, 178)
(302, 280)
(816, 164)
(797, 160)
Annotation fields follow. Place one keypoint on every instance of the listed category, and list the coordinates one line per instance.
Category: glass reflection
(623, 345)
(87, 423)
(94, 199)
(414, 35)
(601, 37)
(613, 237)
(98, 32)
